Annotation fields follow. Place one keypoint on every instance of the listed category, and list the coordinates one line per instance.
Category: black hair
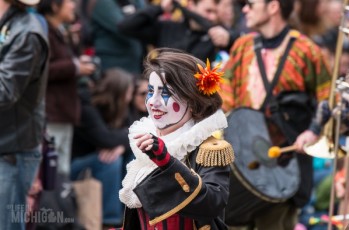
(286, 7)
(178, 69)
(45, 7)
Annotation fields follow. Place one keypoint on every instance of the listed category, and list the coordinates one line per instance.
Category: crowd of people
(135, 90)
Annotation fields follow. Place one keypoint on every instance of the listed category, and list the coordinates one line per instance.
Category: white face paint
(167, 113)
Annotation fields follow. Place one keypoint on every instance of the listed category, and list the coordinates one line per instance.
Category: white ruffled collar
(179, 143)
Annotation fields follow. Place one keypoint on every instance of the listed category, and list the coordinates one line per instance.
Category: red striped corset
(174, 222)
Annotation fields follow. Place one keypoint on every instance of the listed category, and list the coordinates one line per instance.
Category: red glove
(158, 153)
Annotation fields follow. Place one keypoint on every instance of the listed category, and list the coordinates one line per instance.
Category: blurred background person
(137, 106)
(239, 17)
(328, 43)
(113, 47)
(137, 109)
(62, 102)
(334, 12)
(200, 35)
(310, 22)
(24, 55)
(225, 13)
(100, 140)
(226, 18)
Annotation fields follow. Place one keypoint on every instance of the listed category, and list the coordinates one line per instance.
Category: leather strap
(270, 86)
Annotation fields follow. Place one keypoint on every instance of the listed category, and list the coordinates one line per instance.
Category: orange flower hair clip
(208, 80)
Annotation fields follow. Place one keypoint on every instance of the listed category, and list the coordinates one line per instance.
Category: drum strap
(269, 86)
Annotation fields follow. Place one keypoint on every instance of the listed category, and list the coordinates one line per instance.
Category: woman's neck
(54, 22)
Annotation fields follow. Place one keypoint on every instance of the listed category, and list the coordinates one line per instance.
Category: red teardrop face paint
(176, 107)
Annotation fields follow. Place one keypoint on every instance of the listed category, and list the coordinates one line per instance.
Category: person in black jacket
(179, 179)
(100, 141)
(198, 34)
(24, 52)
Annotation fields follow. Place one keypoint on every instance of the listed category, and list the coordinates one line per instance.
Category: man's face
(206, 9)
(256, 13)
(166, 111)
(225, 12)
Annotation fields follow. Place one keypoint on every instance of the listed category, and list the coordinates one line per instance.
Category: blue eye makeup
(150, 92)
(166, 94)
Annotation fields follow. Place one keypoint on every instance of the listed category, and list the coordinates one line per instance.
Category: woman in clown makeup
(179, 179)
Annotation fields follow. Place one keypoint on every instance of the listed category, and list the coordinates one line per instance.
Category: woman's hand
(86, 67)
(155, 148)
(144, 141)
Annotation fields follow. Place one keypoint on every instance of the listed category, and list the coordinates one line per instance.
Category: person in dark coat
(100, 141)
(111, 45)
(179, 179)
(62, 101)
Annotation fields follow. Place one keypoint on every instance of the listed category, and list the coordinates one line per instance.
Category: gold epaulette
(214, 152)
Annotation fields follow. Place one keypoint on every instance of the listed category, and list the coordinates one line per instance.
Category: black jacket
(93, 133)
(163, 193)
(145, 26)
(23, 73)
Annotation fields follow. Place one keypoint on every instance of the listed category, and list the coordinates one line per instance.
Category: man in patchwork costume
(288, 62)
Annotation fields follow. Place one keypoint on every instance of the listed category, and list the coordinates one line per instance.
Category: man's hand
(307, 137)
(155, 148)
(219, 36)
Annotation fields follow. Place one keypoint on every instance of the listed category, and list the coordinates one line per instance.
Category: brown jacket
(62, 102)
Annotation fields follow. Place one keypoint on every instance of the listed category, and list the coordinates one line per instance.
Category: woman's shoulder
(215, 152)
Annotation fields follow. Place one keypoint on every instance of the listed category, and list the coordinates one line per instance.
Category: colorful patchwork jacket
(305, 70)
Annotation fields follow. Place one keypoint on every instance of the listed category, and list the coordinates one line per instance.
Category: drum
(257, 181)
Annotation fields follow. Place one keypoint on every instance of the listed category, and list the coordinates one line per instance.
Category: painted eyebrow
(160, 87)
